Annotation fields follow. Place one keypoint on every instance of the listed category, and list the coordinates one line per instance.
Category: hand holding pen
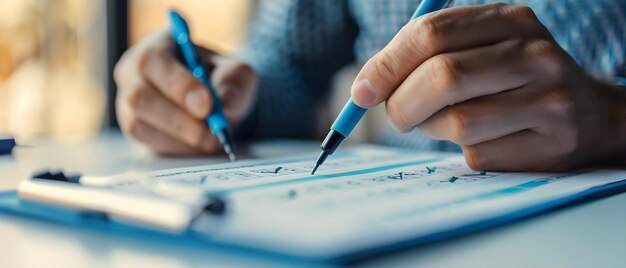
(163, 106)
(352, 112)
(492, 79)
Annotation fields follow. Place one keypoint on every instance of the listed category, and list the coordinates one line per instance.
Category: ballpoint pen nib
(319, 161)
(228, 148)
(232, 157)
(229, 151)
(314, 169)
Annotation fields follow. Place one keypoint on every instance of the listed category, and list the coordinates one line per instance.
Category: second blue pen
(217, 121)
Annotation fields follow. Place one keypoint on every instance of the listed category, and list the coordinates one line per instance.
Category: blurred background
(57, 57)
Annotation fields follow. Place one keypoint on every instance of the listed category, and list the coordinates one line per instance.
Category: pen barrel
(217, 122)
(428, 6)
(348, 118)
(180, 33)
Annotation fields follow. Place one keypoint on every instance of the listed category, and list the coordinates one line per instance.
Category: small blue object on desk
(6, 145)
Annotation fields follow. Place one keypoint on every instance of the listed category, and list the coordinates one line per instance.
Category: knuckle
(498, 5)
(138, 97)
(448, 70)
(548, 55)
(560, 108)
(516, 45)
(428, 27)
(473, 157)
(421, 35)
(386, 68)
(397, 118)
(458, 122)
(558, 102)
(542, 49)
(133, 126)
(517, 11)
(144, 58)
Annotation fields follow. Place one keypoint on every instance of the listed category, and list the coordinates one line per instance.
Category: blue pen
(352, 113)
(217, 121)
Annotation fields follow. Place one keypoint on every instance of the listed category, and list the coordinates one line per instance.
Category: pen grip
(348, 118)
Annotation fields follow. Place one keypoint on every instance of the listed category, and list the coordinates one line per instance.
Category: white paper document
(366, 198)
(363, 199)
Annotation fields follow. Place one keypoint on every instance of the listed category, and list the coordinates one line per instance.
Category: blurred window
(55, 61)
(217, 24)
(51, 71)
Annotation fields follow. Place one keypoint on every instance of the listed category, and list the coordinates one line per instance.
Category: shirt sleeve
(593, 32)
(295, 46)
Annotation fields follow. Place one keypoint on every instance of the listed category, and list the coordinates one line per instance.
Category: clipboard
(203, 234)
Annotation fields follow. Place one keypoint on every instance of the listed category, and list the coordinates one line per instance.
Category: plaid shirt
(296, 46)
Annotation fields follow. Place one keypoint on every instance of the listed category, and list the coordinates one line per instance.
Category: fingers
(521, 151)
(455, 77)
(159, 142)
(157, 102)
(440, 32)
(174, 81)
(486, 118)
(235, 82)
(153, 109)
(153, 61)
(162, 105)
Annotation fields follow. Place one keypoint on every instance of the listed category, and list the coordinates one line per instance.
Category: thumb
(380, 77)
(384, 72)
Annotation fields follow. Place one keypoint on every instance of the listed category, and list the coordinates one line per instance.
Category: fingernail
(197, 102)
(363, 93)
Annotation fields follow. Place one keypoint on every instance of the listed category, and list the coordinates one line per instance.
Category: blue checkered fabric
(297, 46)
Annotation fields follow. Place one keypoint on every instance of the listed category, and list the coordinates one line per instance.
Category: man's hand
(161, 105)
(492, 79)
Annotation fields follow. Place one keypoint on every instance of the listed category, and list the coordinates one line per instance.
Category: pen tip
(315, 169)
(319, 161)
(229, 151)
(228, 148)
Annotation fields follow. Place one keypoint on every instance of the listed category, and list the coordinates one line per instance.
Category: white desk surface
(587, 235)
